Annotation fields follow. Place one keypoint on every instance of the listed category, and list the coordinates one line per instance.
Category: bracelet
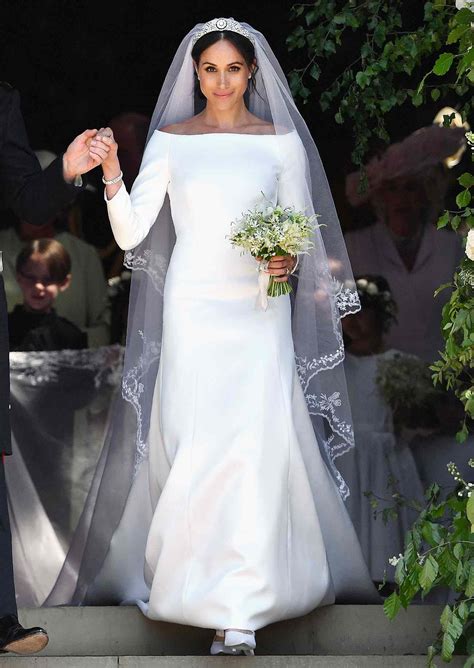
(110, 182)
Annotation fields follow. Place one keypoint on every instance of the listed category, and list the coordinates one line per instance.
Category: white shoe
(240, 642)
(218, 646)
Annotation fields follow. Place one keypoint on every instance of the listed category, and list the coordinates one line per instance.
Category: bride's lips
(222, 94)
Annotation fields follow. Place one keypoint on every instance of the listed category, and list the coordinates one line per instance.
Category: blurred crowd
(64, 279)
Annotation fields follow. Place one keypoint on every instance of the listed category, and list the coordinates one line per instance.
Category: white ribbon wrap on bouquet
(263, 283)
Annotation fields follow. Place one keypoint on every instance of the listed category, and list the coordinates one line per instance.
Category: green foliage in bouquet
(271, 232)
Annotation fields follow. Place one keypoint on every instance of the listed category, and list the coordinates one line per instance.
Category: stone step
(221, 662)
(339, 630)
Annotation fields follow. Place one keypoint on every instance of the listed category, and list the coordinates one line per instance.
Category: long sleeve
(34, 196)
(292, 184)
(132, 216)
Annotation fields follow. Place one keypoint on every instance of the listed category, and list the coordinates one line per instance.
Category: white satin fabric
(234, 520)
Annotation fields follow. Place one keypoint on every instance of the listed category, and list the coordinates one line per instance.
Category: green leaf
(428, 573)
(456, 33)
(455, 222)
(466, 180)
(463, 611)
(315, 71)
(470, 511)
(451, 636)
(443, 63)
(463, 199)
(445, 617)
(447, 648)
(447, 563)
(461, 436)
(441, 288)
(466, 61)
(392, 605)
(460, 575)
(400, 571)
(435, 94)
(469, 591)
(458, 551)
(362, 79)
(443, 220)
(432, 652)
(464, 16)
(431, 534)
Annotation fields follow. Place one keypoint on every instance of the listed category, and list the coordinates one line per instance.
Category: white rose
(372, 289)
(362, 283)
(470, 245)
(460, 4)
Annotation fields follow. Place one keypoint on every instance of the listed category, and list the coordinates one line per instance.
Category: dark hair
(52, 252)
(243, 45)
(374, 293)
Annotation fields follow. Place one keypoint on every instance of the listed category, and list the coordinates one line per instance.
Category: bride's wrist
(111, 171)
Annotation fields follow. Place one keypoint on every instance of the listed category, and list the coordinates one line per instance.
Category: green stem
(277, 289)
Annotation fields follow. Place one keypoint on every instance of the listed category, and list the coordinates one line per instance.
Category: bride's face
(223, 74)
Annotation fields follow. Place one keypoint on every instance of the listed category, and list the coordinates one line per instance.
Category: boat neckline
(207, 134)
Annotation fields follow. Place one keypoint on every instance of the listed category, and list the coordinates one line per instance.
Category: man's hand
(77, 159)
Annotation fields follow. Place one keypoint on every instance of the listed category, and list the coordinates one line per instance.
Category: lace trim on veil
(43, 368)
(151, 263)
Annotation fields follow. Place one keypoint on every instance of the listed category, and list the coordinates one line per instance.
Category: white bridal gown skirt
(234, 520)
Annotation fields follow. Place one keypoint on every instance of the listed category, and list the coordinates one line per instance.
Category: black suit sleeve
(34, 196)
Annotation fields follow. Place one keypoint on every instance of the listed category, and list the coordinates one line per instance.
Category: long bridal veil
(325, 292)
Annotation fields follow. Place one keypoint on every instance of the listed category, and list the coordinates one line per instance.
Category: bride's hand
(280, 267)
(103, 149)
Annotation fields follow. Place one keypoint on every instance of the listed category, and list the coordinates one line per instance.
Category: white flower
(393, 561)
(460, 4)
(470, 244)
(372, 289)
(362, 283)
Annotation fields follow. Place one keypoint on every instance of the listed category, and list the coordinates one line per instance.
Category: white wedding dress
(233, 521)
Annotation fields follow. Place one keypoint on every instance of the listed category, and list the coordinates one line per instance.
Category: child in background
(379, 455)
(43, 271)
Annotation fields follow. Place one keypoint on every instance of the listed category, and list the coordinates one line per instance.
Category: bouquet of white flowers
(272, 232)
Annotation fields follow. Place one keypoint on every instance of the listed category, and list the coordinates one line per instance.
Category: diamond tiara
(220, 25)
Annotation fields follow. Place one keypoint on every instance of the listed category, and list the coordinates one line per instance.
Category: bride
(231, 518)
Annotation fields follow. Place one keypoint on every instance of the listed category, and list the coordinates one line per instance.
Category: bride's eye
(209, 68)
(234, 68)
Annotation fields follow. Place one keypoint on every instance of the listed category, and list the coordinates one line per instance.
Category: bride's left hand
(280, 267)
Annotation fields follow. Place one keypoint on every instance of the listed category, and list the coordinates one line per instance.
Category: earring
(250, 76)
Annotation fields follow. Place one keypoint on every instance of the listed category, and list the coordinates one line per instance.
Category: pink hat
(424, 148)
